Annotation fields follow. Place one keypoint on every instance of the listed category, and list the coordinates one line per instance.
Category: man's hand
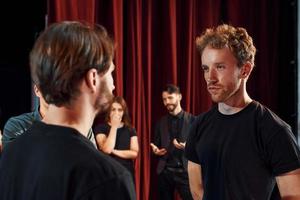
(157, 151)
(178, 145)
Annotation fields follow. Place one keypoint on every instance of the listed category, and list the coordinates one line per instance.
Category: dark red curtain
(155, 46)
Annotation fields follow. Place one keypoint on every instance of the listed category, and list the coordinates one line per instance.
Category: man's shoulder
(188, 115)
(88, 170)
(209, 111)
(115, 175)
(19, 123)
(267, 117)
(205, 116)
(102, 166)
(108, 178)
(20, 119)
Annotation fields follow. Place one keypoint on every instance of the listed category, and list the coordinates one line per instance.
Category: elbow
(196, 190)
(106, 150)
(135, 154)
(197, 194)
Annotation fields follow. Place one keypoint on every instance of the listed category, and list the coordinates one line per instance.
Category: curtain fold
(155, 45)
(135, 92)
(71, 10)
(118, 37)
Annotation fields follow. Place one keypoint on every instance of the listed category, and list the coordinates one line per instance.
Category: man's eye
(220, 66)
(205, 68)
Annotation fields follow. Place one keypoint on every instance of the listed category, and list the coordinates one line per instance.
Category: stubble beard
(104, 98)
(224, 95)
(171, 107)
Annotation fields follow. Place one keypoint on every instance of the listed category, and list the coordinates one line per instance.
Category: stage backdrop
(156, 45)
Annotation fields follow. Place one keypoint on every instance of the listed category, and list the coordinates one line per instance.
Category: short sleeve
(283, 152)
(102, 128)
(15, 127)
(9, 132)
(121, 188)
(133, 132)
(192, 140)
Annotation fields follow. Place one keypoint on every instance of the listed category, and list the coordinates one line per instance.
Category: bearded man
(170, 135)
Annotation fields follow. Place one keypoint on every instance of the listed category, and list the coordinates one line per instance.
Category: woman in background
(117, 137)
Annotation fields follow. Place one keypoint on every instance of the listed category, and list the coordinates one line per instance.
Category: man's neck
(176, 111)
(42, 111)
(73, 118)
(235, 108)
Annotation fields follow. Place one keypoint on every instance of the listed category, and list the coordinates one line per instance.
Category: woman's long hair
(125, 118)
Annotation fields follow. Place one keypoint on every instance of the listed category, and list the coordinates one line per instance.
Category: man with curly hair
(238, 149)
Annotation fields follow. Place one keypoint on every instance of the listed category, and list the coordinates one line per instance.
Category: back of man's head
(63, 54)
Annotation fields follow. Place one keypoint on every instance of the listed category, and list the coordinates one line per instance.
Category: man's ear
(246, 70)
(91, 79)
(37, 91)
(180, 96)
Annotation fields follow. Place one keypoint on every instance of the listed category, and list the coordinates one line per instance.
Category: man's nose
(211, 75)
(167, 101)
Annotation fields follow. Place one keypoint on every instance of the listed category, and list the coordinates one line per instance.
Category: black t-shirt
(123, 138)
(241, 154)
(56, 162)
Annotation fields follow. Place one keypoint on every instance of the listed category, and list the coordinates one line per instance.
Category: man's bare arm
(195, 180)
(289, 185)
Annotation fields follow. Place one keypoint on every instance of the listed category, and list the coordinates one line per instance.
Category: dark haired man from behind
(71, 63)
(171, 132)
(238, 149)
